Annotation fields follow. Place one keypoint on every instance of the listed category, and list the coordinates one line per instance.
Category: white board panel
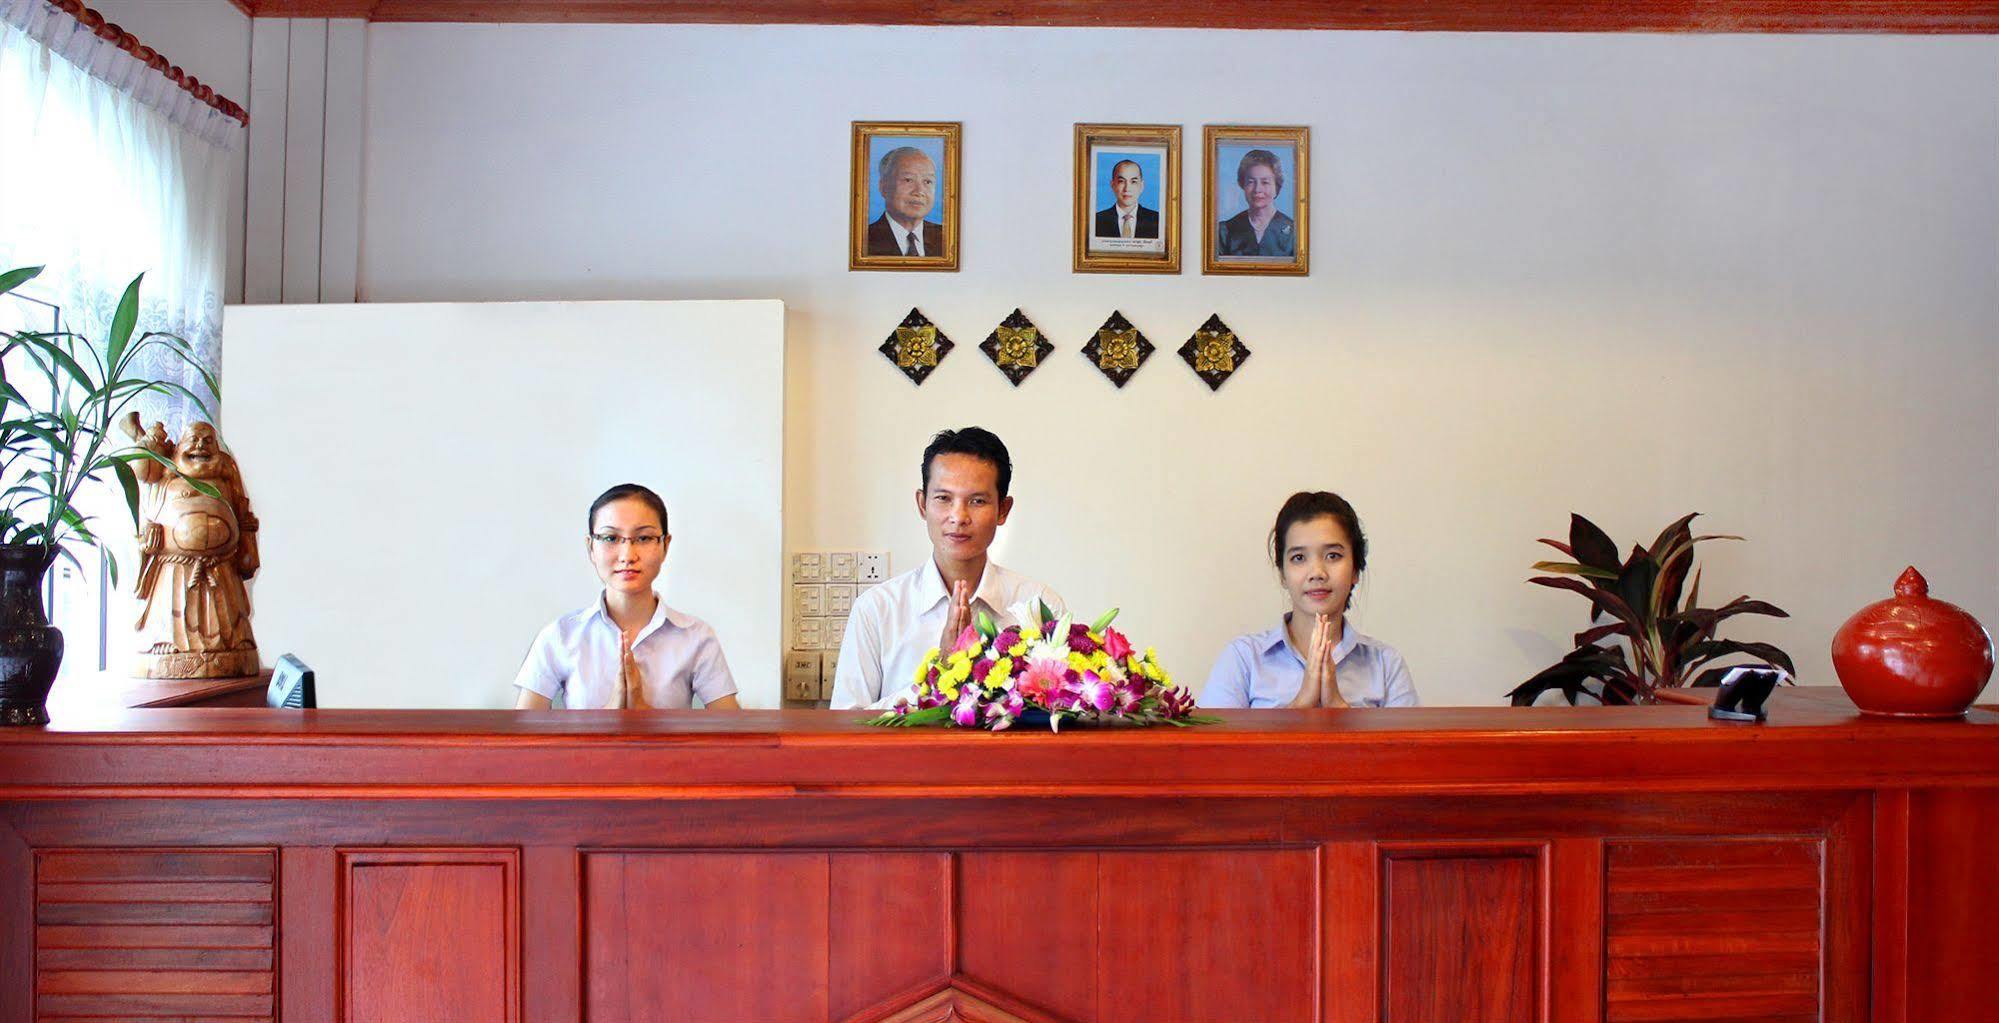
(422, 475)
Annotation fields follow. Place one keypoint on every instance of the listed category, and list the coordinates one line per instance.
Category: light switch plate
(808, 600)
(871, 567)
(830, 635)
(808, 567)
(839, 599)
(840, 567)
(811, 634)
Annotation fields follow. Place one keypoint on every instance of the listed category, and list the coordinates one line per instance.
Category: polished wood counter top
(1814, 740)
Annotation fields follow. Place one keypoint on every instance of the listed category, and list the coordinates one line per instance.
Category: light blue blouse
(1263, 670)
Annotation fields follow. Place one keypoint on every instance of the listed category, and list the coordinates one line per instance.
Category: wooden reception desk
(1437, 865)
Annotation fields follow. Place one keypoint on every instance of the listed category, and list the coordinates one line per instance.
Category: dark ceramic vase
(30, 648)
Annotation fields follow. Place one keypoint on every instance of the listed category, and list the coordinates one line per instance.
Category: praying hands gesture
(1322, 683)
(630, 679)
(960, 616)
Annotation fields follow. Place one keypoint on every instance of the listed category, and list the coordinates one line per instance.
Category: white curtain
(108, 169)
(112, 170)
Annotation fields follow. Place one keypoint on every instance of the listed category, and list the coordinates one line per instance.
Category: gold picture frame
(1230, 240)
(1145, 155)
(872, 238)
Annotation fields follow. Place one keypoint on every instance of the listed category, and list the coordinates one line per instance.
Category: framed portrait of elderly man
(1256, 208)
(905, 204)
(1127, 188)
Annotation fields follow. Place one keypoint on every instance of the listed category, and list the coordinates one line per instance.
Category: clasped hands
(1322, 682)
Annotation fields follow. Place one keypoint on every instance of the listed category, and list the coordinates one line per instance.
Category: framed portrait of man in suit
(1256, 214)
(905, 196)
(1127, 188)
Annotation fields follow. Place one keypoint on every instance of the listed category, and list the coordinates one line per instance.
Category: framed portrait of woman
(1256, 210)
(1127, 192)
(904, 213)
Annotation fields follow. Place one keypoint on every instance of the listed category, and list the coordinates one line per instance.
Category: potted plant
(50, 446)
(1652, 640)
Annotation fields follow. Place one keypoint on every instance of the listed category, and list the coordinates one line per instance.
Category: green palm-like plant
(1665, 641)
(48, 451)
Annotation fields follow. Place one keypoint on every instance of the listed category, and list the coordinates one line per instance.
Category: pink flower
(966, 639)
(966, 713)
(980, 670)
(1001, 712)
(1094, 691)
(1041, 679)
(1116, 645)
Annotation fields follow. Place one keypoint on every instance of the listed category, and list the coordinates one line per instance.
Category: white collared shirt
(908, 249)
(576, 657)
(895, 625)
(1263, 669)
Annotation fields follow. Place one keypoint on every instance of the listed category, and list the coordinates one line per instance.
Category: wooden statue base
(200, 664)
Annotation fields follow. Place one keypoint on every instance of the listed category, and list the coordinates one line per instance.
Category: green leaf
(985, 624)
(122, 323)
(1046, 614)
(129, 483)
(110, 564)
(1571, 568)
(61, 359)
(15, 278)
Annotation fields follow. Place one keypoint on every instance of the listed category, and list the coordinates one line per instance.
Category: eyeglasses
(643, 542)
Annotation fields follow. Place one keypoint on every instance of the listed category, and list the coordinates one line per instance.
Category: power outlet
(808, 600)
(871, 567)
(839, 599)
(808, 567)
(840, 567)
(801, 675)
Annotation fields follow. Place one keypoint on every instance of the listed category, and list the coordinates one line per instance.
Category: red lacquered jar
(1912, 655)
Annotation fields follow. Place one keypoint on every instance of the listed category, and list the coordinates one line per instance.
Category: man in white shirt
(893, 626)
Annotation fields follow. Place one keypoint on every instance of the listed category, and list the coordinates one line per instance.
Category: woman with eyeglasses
(1314, 657)
(626, 650)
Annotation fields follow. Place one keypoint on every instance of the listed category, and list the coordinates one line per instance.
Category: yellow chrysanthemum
(1019, 650)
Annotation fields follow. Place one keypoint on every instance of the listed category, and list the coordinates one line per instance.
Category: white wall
(422, 474)
(1628, 275)
(209, 39)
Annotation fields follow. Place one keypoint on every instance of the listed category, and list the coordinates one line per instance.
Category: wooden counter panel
(125, 932)
(1953, 899)
(1016, 944)
(1209, 934)
(1460, 932)
(1479, 864)
(429, 934)
(706, 937)
(1735, 920)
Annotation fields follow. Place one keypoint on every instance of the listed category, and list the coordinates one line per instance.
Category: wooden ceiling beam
(1918, 17)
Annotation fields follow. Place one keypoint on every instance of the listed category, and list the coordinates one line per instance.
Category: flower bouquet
(1049, 668)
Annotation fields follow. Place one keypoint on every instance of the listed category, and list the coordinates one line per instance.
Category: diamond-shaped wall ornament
(1117, 349)
(1016, 347)
(916, 347)
(1215, 352)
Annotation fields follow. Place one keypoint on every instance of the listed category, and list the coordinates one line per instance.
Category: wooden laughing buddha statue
(195, 551)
